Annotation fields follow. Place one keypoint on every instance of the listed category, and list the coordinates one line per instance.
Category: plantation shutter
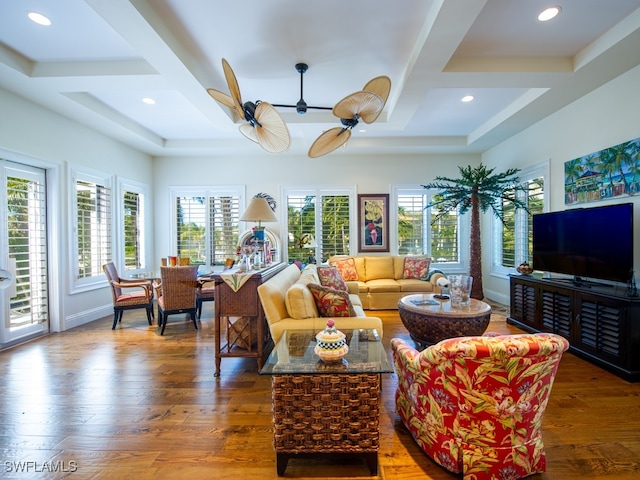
(224, 214)
(412, 224)
(445, 237)
(335, 233)
(27, 241)
(301, 215)
(207, 228)
(133, 230)
(191, 228)
(93, 205)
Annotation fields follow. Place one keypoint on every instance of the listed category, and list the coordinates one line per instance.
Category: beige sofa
(288, 304)
(381, 282)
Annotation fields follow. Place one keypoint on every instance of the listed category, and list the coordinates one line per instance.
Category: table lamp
(258, 211)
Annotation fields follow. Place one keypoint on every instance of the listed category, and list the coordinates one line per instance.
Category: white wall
(608, 116)
(33, 135)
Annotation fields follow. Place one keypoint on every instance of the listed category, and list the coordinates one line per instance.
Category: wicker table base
(332, 414)
(430, 324)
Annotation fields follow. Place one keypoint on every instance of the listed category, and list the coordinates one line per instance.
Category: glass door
(24, 304)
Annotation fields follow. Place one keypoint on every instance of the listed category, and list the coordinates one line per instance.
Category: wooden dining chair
(206, 293)
(177, 293)
(128, 294)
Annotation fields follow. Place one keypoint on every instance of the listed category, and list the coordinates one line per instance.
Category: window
(318, 223)
(513, 239)
(418, 232)
(132, 241)
(91, 210)
(207, 225)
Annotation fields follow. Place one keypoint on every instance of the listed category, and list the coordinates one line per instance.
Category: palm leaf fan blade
(381, 86)
(358, 103)
(271, 131)
(234, 89)
(221, 97)
(328, 141)
(249, 131)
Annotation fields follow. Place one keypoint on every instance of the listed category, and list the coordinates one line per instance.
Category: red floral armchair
(475, 404)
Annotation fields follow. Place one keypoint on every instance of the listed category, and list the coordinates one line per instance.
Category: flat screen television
(596, 243)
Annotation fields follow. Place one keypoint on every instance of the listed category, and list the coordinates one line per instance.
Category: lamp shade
(258, 211)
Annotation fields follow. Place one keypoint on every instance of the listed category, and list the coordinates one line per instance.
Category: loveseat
(288, 304)
(384, 280)
(475, 404)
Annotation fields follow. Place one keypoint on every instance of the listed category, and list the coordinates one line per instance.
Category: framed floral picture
(373, 223)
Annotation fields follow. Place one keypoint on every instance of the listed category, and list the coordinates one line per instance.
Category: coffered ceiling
(98, 59)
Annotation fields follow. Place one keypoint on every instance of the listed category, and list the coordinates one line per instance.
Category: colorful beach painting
(609, 173)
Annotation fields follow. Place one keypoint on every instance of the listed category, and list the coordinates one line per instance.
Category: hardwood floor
(130, 404)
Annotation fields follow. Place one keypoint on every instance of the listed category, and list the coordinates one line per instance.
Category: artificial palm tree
(478, 190)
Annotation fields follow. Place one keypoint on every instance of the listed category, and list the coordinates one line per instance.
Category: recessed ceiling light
(467, 98)
(39, 19)
(362, 130)
(549, 13)
(149, 101)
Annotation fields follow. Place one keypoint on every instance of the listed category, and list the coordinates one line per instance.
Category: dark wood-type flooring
(130, 404)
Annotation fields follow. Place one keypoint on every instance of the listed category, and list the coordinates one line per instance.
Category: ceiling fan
(265, 125)
(268, 129)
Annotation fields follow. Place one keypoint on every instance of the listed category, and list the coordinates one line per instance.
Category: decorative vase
(331, 345)
(524, 269)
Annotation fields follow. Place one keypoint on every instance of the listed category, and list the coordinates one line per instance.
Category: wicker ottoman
(429, 324)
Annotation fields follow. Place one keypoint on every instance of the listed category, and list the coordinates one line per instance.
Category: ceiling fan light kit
(267, 128)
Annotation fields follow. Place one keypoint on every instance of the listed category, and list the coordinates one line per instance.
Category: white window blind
(207, 227)
(418, 231)
(93, 227)
(133, 230)
(445, 237)
(301, 221)
(517, 230)
(27, 240)
(323, 216)
(225, 218)
(412, 224)
(335, 234)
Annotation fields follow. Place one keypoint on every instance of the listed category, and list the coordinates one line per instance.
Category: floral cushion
(331, 302)
(330, 277)
(475, 404)
(347, 269)
(416, 268)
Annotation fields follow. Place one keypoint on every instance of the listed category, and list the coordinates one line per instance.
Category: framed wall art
(373, 223)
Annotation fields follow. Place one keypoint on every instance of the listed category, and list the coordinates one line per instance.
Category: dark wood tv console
(602, 323)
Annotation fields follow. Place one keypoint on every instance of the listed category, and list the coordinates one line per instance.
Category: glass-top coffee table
(326, 408)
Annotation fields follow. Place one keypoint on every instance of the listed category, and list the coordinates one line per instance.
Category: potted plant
(478, 189)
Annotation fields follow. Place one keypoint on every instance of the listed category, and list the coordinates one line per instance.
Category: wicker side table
(326, 414)
(429, 324)
(326, 408)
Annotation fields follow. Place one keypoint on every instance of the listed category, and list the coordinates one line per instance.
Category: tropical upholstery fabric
(475, 404)
(330, 277)
(347, 269)
(331, 302)
(416, 268)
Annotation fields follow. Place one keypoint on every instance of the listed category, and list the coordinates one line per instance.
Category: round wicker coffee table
(428, 324)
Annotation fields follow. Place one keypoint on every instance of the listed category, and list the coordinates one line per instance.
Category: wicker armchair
(139, 294)
(475, 404)
(177, 293)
